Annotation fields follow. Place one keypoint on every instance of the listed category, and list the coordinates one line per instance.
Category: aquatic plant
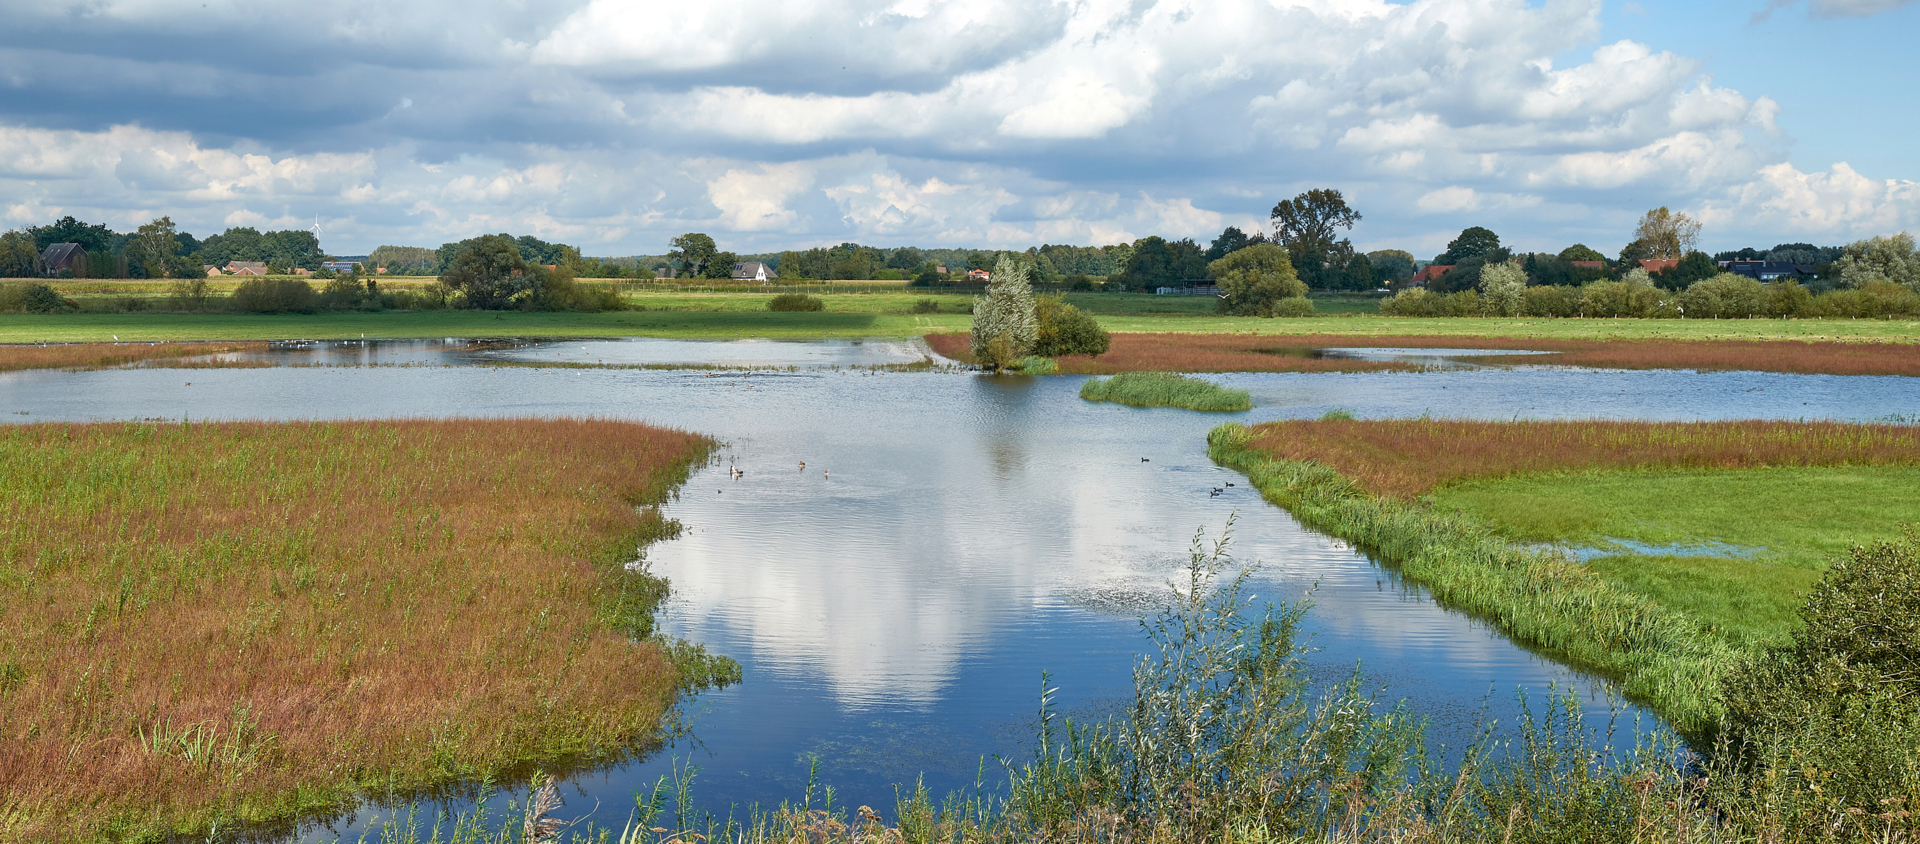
(243, 621)
(1165, 389)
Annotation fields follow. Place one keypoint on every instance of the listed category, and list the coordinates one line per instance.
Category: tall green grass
(1539, 599)
(1165, 389)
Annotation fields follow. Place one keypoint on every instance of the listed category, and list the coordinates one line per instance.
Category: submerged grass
(234, 623)
(1165, 389)
(101, 355)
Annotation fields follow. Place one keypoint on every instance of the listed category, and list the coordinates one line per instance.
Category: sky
(615, 125)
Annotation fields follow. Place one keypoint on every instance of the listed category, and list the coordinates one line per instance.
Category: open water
(952, 535)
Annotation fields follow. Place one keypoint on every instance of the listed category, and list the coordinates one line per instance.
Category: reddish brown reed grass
(245, 620)
(1294, 353)
(1403, 458)
(97, 355)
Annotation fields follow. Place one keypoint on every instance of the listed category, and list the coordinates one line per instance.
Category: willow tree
(1667, 234)
(1004, 326)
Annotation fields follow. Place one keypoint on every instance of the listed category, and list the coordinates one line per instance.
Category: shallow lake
(952, 535)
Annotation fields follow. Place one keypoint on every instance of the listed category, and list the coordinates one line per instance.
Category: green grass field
(1786, 525)
(886, 314)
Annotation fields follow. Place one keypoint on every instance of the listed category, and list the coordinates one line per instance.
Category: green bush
(1725, 296)
(795, 302)
(1165, 389)
(34, 297)
(1552, 300)
(1037, 365)
(1063, 329)
(1293, 306)
(925, 306)
(274, 296)
(1834, 717)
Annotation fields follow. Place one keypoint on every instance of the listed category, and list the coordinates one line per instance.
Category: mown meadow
(233, 624)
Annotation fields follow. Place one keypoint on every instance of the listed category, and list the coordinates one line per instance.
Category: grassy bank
(673, 312)
(234, 623)
(1164, 389)
(101, 355)
(1455, 506)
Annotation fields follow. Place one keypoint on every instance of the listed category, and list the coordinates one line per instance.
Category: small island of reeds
(1165, 389)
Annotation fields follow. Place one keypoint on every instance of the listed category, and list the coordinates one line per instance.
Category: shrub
(345, 292)
(34, 297)
(1293, 306)
(1725, 296)
(1835, 715)
(1079, 281)
(1004, 324)
(191, 294)
(1503, 285)
(1063, 329)
(1412, 302)
(1789, 299)
(795, 302)
(925, 306)
(274, 296)
(1633, 297)
(1550, 301)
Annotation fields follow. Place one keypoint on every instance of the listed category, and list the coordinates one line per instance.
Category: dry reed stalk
(1402, 458)
(98, 355)
(1174, 352)
(248, 620)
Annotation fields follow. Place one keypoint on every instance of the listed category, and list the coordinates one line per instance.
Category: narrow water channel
(952, 535)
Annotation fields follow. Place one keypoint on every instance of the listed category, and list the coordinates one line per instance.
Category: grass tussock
(1403, 458)
(1173, 352)
(1164, 389)
(102, 355)
(233, 623)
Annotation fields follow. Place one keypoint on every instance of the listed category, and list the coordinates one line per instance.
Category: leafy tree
(1667, 234)
(490, 273)
(1697, 266)
(906, 258)
(1356, 275)
(1885, 258)
(1309, 222)
(19, 255)
(1633, 253)
(1062, 329)
(1473, 242)
(721, 265)
(1306, 225)
(1254, 280)
(153, 247)
(1391, 266)
(404, 260)
(691, 252)
(981, 261)
(1157, 262)
(1581, 252)
(1004, 325)
(1230, 241)
(1502, 286)
(92, 236)
(1745, 254)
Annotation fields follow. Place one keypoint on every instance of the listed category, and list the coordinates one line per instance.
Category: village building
(246, 268)
(753, 271)
(979, 275)
(1768, 270)
(1429, 273)
(60, 257)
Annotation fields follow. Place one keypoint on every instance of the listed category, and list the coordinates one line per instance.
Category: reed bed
(102, 355)
(234, 623)
(1403, 458)
(1173, 352)
(1165, 389)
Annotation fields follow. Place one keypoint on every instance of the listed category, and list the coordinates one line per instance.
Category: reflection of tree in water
(1007, 422)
